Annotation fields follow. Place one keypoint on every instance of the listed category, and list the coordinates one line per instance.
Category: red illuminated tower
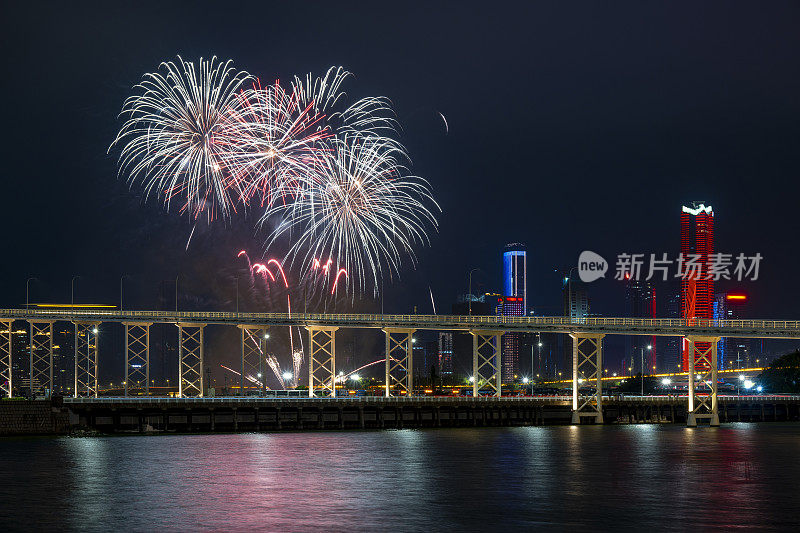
(697, 292)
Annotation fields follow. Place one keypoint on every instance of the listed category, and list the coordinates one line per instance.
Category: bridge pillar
(703, 367)
(587, 367)
(41, 357)
(253, 362)
(137, 356)
(321, 361)
(486, 367)
(6, 347)
(399, 361)
(190, 360)
(85, 359)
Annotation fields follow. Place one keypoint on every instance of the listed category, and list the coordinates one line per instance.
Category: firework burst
(274, 143)
(363, 209)
(176, 136)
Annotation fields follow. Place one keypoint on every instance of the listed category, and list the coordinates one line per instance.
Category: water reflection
(636, 477)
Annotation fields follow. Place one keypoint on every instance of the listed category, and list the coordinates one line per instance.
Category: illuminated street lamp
(649, 347)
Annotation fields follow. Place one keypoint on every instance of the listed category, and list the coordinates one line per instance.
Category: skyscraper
(697, 291)
(640, 302)
(515, 303)
(445, 352)
(515, 273)
(732, 352)
(576, 299)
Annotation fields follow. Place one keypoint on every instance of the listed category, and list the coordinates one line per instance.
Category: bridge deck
(789, 329)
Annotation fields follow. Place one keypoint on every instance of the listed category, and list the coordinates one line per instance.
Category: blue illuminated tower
(515, 273)
(515, 303)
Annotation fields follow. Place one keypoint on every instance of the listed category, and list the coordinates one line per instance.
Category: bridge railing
(378, 319)
(414, 399)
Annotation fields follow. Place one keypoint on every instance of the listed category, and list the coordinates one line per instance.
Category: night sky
(572, 126)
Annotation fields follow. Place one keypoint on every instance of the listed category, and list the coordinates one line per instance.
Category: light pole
(72, 292)
(469, 294)
(120, 289)
(27, 292)
(539, 345)
(237, 294)
(263, 367)
(649, 347)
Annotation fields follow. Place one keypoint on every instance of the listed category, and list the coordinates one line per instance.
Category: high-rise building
(640, 302)
(515, 273)
(697, 290)
(732, 352)
(515, 303)
(576, 298)
(445, 352)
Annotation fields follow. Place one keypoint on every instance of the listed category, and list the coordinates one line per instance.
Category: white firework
(362, 208)
(368, 116)
(274, 142)
(176, 135)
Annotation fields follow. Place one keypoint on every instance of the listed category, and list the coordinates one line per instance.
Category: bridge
(587, 334)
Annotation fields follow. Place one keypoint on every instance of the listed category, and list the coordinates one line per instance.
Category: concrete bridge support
(86, 359)
(321, 361)
(399, 362)
(587, 371)
(41, 357)
(137, 357)
(5, 357)
(486, 367)
(703, 366)
(252, 360)
(190, 359)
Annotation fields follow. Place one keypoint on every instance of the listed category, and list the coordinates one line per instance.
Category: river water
(635, 477)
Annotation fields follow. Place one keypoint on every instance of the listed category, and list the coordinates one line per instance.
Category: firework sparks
(274, 140)
(174, 138)
(366, 212)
